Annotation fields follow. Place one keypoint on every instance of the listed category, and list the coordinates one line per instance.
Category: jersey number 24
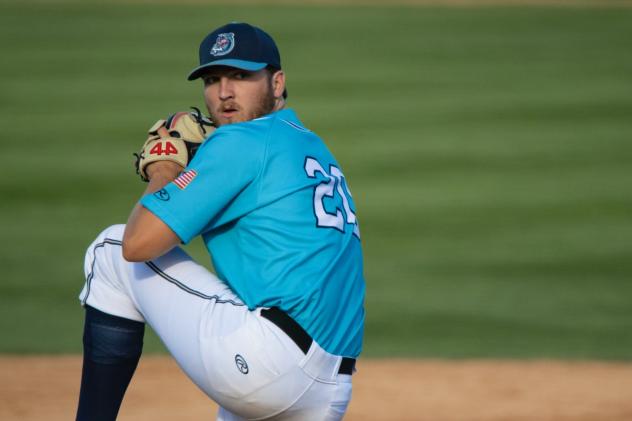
(334, 182)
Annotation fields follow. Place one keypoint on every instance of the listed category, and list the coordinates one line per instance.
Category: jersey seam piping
(156, 270)
(94, 259)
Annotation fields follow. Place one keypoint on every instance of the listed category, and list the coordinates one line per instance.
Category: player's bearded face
(234, 95)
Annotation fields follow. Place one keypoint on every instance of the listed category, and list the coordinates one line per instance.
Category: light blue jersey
(278, 219)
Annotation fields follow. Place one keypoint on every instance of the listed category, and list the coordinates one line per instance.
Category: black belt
(299, 336)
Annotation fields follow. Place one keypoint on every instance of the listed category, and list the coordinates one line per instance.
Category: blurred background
(488, 148)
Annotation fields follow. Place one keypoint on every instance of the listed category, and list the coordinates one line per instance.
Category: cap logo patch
(224, 44)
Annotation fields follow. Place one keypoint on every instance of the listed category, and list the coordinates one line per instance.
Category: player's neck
(279, 104)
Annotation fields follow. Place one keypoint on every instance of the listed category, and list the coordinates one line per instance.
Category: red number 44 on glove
(183, 134)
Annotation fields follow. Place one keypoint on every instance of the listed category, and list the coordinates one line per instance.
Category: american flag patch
(183, 180)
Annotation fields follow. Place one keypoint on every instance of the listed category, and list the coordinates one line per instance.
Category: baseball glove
(175, 139)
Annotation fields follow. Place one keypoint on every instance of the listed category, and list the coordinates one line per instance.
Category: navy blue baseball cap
(237, 45)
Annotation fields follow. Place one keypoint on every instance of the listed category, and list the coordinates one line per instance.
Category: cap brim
(240, 64)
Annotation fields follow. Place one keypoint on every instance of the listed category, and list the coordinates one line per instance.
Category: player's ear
(278, 83)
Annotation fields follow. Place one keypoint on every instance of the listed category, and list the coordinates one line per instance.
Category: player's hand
(175, 139)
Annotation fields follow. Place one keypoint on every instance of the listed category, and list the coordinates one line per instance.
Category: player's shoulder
(244, 135)
(289, 132)
(287, 119)
(282, 127)
(278, 120)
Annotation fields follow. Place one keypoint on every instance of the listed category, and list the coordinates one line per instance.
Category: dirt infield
(38, 388)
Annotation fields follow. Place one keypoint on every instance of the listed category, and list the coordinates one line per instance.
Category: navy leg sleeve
(111, 349)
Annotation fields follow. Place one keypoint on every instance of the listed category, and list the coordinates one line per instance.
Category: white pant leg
(211, 334)
(307, 389)
(225, 415)
(334, 400)
(173, 294)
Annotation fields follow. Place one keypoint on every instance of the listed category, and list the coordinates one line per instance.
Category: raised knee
(112, 235)
(113, 232)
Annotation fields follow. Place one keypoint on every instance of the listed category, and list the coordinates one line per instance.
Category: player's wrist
(166, 170)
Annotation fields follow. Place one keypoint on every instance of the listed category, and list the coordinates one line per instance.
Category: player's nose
(225, 88)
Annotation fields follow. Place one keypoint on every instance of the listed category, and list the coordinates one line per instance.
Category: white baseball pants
(244, 362)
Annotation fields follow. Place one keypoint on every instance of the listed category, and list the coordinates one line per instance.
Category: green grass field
(489, 151)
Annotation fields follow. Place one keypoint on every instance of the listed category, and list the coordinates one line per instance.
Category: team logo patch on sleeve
(183, 180)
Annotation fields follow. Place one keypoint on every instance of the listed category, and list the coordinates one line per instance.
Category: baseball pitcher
(275, 332)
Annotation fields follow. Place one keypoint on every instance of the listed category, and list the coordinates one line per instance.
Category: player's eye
(209, 80)
(241, 75)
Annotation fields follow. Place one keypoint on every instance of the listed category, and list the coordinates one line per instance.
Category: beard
(263, 105)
